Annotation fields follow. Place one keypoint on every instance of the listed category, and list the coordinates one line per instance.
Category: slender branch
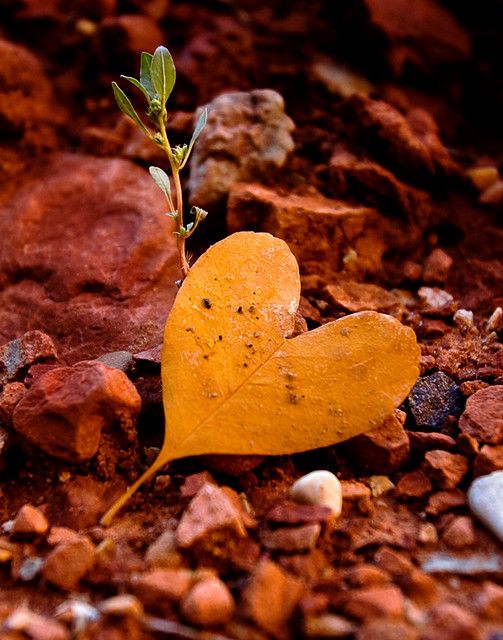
(175, 170)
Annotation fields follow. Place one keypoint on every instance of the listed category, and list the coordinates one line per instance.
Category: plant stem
(184, 265)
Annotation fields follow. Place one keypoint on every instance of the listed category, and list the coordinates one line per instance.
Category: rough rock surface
(113, 288)
(16, 356)
(434, 398)
(319, 231)
(247, 135)
(483, 415)
(64, 411)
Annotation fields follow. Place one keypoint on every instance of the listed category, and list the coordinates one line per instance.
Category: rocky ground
(369, 138)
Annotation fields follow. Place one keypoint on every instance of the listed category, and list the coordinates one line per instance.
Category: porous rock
(10, 395)
(432, 399)
(483, 415)
(65, 410)
(89, 300)
(246, 135)
(318, 230)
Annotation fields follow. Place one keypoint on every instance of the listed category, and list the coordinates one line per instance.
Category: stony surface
(29, 523)
(389, 192)
(246, 135)
(90, 301)
(64, 411)
(18, 355)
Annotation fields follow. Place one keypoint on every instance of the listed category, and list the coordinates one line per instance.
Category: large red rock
(85, 247)
(319, 231)
(65, 410)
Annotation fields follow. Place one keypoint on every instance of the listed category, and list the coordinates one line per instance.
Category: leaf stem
(175, 170)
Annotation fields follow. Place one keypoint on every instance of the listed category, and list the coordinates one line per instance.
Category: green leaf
(162, 181)
(145, 73)
(163, 73)
(138, 85)
(203, 117)
(126, 107)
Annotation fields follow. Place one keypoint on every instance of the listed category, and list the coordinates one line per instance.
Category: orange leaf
(233, 381)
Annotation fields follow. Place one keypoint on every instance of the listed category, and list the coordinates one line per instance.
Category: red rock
(446, 469)
(293, 513)
(483, 415)
(313, 603)
(62, 535)
(64, 411)
(356, 296)
(414, 484)
(16, 356)
(90, 301)
(353, 490)
(270, 598)
(488, 459)
(467, 445)
(68, 563)
(469, 387)
(152, 587)
(27, 105)
(10, 395)
(445, 501)
(383, 449)
(365, 575)
(426, 440)
(490, 601)
(208, 603)
(317, 230)
(375, 602)
(437, 267)
(211, 509)
(459, 533)
(194, 482)
(449, 621)
(29, 523)
(386, 630)
(124, 37)
(291, 539)
(162, 552)
(393, 562)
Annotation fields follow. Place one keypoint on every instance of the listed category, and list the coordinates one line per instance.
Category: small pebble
(495, 322)
(122, 360)
(208, 603)
(328, 625)
(30, 569)
(485, 499)
(434, 297)
(463, 319)
(30, 522)
(77, 614)
(320, 488)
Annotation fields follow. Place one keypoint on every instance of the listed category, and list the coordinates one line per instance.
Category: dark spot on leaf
(220, 338)
(206, 303)
(240, 309)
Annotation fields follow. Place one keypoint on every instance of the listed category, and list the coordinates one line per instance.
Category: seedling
(157, 79)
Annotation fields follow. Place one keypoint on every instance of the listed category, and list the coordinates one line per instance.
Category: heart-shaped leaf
(233, 380)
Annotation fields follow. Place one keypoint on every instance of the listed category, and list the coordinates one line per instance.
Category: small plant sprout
(157, 79)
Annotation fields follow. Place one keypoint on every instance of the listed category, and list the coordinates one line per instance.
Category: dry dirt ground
(385, 183)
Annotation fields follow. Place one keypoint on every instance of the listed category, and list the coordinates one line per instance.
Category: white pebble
(434, 297)
(320, 488)
(495, 322)
(485, 498)
(463, 319)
